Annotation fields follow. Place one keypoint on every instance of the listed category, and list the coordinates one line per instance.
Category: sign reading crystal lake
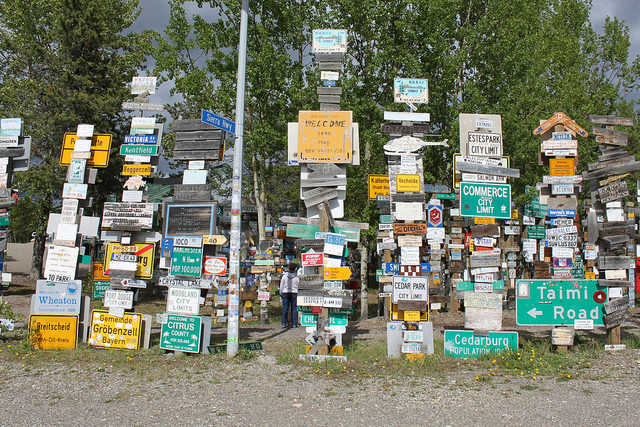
(190, 219)
(325, 137)
(465, 344)
(559, 302)
(181, 333)
(485, 200)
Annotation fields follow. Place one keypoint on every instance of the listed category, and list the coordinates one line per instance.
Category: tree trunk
(38, 254)
(258, 194)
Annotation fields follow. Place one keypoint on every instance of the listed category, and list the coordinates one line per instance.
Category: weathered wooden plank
(398, 129)
(12, 152)
(407, 197)
(562, 179)
(190, 125)
(606, 163)
(7, 202)
(203, 144)
(187, 192)
(592, 226)
(613, 191)
(478, 260)
(613, 242)
(618, 141)
(612, 170)
(611, 120)
(197, 155)
(628, 230)
(324, 182)
(615, 283)
(316, 221)
(487, 170)
(321, 90)
(559, 202)
(329, 107)
(330, 57)
(613, 262)
(328, 194)
(329, 99)
(330, 66)
(409, 228)
(213, 134)
(485, 230)
(609, 133)
(616, 318)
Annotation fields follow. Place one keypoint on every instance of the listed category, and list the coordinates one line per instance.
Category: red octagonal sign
(435, 216)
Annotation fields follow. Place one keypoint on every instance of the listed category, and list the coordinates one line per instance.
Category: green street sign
(338, 319)
(139, 149)
(181, 333)
(186, 261)
(347, 311)
(222, 348)
(577, 271)
(446, 196)
(386, 219)
(467, 345)
(308, 319)
(485, 200)
(304, 309)
(535, 209)
(469, 286)
(536, 231)
(99, 288)
(559, 302)
(4, 221)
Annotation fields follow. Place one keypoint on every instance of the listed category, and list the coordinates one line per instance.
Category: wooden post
(364, 297)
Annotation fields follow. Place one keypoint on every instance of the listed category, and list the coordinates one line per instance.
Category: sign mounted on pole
(485, 200)
(559, 302)
(329, 41)
(481, 134)
(325, 137)
(411, 90)
(181, 333)
(378, 186)
(144, 257)
(100, 149)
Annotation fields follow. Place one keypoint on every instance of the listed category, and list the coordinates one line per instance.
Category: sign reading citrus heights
(559, 302)
(109, 331)
(485, 200)
(53, 332)
(465, 344)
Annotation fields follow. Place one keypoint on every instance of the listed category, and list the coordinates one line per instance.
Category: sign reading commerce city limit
(485, 200)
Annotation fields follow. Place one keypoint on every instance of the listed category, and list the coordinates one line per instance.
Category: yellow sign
(408, 183)
(401, 315)
(482, 221)
(98, 272)
(337, 273)
(378, 186)
(53, 332)
(144, 252)
(109, 331)
(325, 137)
(214, 239)
(130, 170)
(562, 166)
(590, 275)
(100, 149)
(412, 316)
(514, 213)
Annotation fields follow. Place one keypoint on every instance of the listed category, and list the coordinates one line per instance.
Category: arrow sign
(534, 313)
(337, 273)
(218, 121)
(214, 239)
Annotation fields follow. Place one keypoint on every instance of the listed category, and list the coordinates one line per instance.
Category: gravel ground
(210, 390)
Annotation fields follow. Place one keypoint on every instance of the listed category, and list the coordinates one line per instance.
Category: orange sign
(98, 272)
(100, 149)
(337, 273)
(53, 332)
(562, 166)
(130, 170)
(480, 220)
(378, 186)
(325, 137)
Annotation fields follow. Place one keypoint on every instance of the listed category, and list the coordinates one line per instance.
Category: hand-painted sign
(312, 259)
(559, 302)
(108, 331)
(216, 266)
(60, 265)
(325, 137)
(411, 90)
(329, 41)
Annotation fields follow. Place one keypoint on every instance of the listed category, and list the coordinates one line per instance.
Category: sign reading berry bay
(181, 333)
(466, 344)
(325, 137)
(559, 302)
(485, 200)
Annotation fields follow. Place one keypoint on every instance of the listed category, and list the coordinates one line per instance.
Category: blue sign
(335, 239)
(565, 213)
(391, 267)
(166, 245)
(218, 121)
(425, 267)
(141, 139)
(328, 83)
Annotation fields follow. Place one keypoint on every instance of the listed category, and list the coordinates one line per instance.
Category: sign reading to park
(181, 333)
(61, 264)
(559, 302)
(485, 200)
(465, 344)
(325, 137)
(109, 331)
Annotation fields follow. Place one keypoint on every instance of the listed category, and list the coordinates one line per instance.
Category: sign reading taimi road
(559, 302)
(485, 200)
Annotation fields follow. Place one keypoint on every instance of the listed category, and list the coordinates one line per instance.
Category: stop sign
(435, 216)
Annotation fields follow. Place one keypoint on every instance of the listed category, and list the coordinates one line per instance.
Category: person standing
(289, 293)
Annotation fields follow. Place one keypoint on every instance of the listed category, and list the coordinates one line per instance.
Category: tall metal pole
(236, 198)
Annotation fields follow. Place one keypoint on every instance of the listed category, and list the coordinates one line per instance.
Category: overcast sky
(155, 15)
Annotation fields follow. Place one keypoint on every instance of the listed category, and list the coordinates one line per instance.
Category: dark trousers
(289, 301)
